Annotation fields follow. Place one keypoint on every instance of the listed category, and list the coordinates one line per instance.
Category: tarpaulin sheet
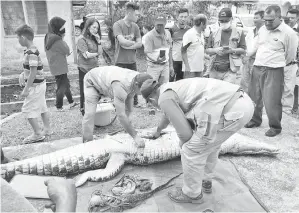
(230, 194)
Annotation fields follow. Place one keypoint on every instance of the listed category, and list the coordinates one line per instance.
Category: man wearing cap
(118, 83)
(275, 48)
(226, 45)
(205, 112)
(193, 52)
(157, 47)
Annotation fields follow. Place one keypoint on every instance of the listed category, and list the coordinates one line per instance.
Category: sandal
(34, 138)
(179, 197)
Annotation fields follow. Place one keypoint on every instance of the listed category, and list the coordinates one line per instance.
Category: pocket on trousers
(231, 121)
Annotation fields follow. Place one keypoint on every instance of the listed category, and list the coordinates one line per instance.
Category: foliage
(92, 6)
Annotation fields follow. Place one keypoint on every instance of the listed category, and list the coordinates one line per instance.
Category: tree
(92, 6)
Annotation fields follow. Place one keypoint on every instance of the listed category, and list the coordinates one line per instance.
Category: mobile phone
(162, 53)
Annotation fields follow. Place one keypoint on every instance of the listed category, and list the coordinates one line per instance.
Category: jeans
(193, 74)
(177, 66)
(82, 73)
(295, 105)
(266, 87)
(63, 89)
(130, 67)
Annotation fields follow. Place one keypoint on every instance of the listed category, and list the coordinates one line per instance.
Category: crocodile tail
(239, 144)
(72, 160)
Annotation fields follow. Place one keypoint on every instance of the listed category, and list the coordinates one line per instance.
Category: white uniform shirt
(195, 52)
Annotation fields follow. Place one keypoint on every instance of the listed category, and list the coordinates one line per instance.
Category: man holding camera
(226, 45)
(157, 47)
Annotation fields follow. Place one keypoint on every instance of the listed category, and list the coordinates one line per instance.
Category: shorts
(35, 103)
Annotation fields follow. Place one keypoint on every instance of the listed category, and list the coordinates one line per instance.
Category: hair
(293, 11)
(183, 10)
(131, 6)
(149, 27)
(261, 13)
(141, 78)
(88, 23)
(25, 31)
(199, 19)
(274, 8)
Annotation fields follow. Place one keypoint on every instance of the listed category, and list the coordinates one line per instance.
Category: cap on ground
(148, 87)
(225, 14)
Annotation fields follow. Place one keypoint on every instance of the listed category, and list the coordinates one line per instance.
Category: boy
(35, 86)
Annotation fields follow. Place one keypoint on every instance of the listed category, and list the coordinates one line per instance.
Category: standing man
(118, 83)
(157, 47)
(275, 48)
(226, 45)
(177, 32)
(127, 39)
(193, 49)
(250, 38)
(289, 101)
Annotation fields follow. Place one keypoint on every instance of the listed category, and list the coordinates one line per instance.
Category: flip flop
(33, 139)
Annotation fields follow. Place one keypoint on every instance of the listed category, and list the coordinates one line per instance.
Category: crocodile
(101, 160)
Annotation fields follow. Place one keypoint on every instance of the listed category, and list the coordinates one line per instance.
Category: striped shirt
(32, 59)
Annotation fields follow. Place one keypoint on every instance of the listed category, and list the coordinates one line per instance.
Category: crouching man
(118, 83)
(205, 113)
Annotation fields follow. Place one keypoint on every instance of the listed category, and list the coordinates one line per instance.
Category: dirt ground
(273, 179)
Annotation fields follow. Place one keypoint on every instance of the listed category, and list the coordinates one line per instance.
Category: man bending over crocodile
(204, 112)
(115, 82)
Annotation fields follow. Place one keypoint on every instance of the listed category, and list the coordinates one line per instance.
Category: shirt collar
(295, 26)
(280, 27)
(157, 34)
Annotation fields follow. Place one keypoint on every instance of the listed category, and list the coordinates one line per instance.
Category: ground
(273, 179)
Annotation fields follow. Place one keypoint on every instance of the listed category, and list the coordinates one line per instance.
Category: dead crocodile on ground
(102, 159)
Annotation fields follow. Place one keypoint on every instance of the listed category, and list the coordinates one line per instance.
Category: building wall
(11, 50)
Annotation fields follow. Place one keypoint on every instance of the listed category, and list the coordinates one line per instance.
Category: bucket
(103, 116)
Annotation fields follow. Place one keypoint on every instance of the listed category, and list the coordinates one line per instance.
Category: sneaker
(251, 124)
(72, 105)
(207, 186)
(178, 196)
(34, 138)
(60, 109)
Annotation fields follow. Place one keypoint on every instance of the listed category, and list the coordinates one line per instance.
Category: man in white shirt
(274, 50)
(250, 39)
(290, 93)
(193, 48)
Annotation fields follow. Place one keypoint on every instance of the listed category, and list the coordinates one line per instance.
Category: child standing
(57, 50)
(34, 91)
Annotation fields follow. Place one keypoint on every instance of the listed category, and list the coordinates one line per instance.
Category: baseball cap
(225, 14)
(160, 19)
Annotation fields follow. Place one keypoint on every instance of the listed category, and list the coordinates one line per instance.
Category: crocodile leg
(113, 167)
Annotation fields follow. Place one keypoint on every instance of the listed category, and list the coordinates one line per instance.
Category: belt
(239, 93)
(291, 63)
(159, 63)
(37, 81)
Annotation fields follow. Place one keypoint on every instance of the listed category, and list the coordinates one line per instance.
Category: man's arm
(120, 96)
(185, 57)
(137, 45)
(129, 105)
(291, 49)
(176, 116)
(119, 36)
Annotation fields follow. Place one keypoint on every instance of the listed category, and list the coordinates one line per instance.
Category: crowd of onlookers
(263, 61)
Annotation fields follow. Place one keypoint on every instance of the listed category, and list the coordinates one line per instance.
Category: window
(16, 13)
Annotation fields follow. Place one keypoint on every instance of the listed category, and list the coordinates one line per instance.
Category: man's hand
(24, 93)
(139, 142)
(22, 79)
(187, 68)
(171, 71)
(219, 51)
(161, 59)
(63, 194)
(245, 59)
